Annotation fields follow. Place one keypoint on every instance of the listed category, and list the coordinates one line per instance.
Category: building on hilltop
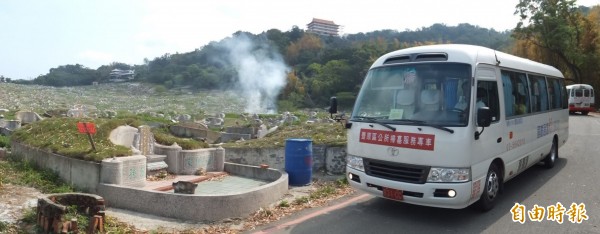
(117, 75)
(323, 27)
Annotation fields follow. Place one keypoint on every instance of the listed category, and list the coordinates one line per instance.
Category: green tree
(68, 75)
(558, 28)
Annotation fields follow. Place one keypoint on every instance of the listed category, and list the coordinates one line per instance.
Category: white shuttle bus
(447, 125)
(581, 98)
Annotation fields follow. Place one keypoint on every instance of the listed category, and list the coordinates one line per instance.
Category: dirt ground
(14, 200)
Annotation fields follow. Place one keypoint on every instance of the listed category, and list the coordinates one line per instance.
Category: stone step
(155, 158)
(155, 166)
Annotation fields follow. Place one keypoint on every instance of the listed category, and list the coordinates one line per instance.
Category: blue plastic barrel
(298, 161)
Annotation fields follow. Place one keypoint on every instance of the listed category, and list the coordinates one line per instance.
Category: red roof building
(323, 27)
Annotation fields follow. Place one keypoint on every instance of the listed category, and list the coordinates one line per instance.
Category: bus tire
(585, 112)
(491, 189)
(550, 159)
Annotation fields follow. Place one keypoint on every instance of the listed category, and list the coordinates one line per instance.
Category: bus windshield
(432, 93)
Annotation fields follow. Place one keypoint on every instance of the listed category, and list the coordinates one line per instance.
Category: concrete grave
(123, 135)
(27, 117)
(12, 124)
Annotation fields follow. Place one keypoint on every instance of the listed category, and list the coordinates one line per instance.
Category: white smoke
(261, 73)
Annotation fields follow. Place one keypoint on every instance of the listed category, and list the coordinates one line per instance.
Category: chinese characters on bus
(398, 139)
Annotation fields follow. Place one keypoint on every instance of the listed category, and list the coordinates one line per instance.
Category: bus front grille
(396, 171)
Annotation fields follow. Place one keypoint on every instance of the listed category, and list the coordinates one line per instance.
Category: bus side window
(487, 95)
(516, 94)
(563, 92)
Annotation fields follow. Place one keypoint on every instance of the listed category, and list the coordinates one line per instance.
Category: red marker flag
(86, 127)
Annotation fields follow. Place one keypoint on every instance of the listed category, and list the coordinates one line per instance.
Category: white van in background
(581, 98)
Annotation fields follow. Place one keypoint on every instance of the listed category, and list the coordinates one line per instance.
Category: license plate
(393, 194)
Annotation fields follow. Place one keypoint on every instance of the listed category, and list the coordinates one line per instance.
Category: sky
(39, 35)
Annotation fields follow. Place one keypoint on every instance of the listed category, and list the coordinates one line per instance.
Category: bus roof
(470, 54)
(585, 86)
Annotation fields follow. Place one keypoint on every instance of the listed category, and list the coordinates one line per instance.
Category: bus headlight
(441, 175)
(355, 162)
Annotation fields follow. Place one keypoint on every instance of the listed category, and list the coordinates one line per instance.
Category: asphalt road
(574, 179)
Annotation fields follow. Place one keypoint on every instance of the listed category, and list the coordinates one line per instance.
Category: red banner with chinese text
(398, 139)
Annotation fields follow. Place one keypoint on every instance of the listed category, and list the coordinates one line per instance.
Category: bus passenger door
(491, 141)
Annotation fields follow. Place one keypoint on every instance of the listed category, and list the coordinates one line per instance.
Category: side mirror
(484, 117)
(333, 105)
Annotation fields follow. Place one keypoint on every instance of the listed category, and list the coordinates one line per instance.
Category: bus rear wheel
(550, 159)
(585, 112)
(491, 189)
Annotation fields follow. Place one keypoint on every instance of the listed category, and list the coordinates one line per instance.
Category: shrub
(162, 136)
(4, 141)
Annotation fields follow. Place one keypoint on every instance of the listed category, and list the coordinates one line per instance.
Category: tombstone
(145, 143)
(184, 187)
(146, 140)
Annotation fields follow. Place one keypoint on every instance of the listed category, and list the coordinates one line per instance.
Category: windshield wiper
(377, 120)
(426, 124)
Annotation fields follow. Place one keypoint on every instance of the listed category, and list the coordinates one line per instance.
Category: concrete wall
(328, 159)
(187, 162)
(200, 207)
(84, 175)
(184, 131)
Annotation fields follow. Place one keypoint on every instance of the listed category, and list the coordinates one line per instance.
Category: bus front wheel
(491, 188)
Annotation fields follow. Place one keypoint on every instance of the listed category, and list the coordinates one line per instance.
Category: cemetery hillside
(60, 135)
